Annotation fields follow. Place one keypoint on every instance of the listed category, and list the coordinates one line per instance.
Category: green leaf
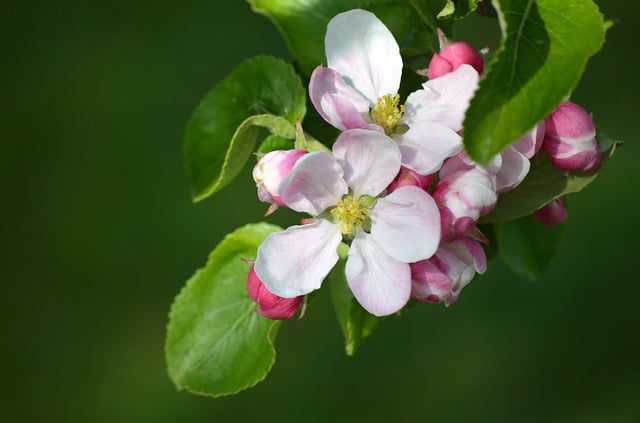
(458, 9)
(217, 344)
(543, 184)
(545, 47)
(303, 24)
(221, 135)
(527, 246)
(356, 323)
(273, 143)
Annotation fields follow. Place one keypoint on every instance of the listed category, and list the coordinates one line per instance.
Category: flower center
(387, 112)
(350, 214)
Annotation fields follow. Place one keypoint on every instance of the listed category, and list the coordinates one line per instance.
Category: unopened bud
(409, 177)
(570, 139)
(269, 304)
(271, 170)
(552, 214)
(451, 57)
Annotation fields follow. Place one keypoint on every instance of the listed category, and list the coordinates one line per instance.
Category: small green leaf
(545, 47)
(303, 24)
(356, 323)
(221, 135)
(273, 143)
(458, 9)
(527, 246)
(217, 344)
(543, 184)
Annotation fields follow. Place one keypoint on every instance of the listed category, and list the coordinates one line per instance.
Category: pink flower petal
(336, 101)
(314, 184)
(406, 224)
(381, 284)
(370, 160)
(426, 145)
(515, 167)
(361, 48)
(443, 100)
(296, 261)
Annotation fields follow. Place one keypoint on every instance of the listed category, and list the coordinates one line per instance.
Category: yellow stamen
(350, 214)
(387, 112)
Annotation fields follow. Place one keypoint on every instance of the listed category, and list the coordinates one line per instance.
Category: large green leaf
(545, 47)
(217, 344)
(303, 24)
(527, 246)
(543, 184)
(221, 135)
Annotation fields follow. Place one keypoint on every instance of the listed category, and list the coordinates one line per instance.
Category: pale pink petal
(515, 167)
(370, 160)
(429, 283)
(314, 184)
(406, 224)
(426, 145)
(530, 143)
(296, 261)
(336, 101)
(443, 100)
(380, 283)
(364, 52)
(477, 254)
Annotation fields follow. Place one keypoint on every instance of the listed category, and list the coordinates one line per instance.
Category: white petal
(364, 52)
(336, 101)
(426, 145)
(296, 261)
(381, 284)
(515, 167)
(443, 100)
(370, 160)
(314, 184)
(406, 224)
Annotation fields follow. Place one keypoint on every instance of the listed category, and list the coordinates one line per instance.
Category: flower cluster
(397, 188)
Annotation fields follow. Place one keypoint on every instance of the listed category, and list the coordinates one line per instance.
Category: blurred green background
(99, 235)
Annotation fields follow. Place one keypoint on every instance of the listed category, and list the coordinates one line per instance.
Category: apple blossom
(570, 139)
(442, 277)
(269, 304)
(359, 89)
(345, 195)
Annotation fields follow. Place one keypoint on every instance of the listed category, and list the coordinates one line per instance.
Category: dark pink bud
(570, 139)
(409, 177)
(451, 57)
(271, 305)
(552, 214)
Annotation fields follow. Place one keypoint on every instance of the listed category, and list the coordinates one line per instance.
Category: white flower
(359, 89)
(343, 194)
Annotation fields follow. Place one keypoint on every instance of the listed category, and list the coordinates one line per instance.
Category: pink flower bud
(442, 277)
(552, 214)
(409, 177)
(570, 139)
(451, 57)
(271, 305)
(271, 170)
(463, 197)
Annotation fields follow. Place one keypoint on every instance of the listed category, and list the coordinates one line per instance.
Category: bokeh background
(99, 234)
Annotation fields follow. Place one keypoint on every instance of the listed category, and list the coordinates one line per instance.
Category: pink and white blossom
(463, 194)
(359, 89)
(442, 277)
(343, 194)
(570, 139)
